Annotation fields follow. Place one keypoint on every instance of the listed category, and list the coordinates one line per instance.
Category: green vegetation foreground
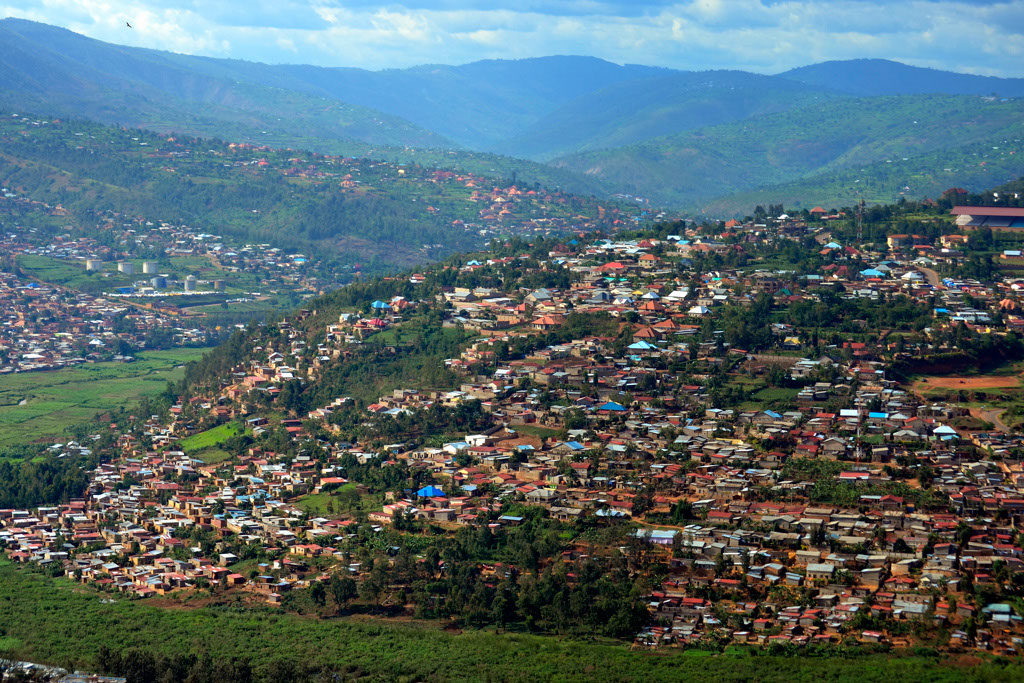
(52, 620)
(43, 405)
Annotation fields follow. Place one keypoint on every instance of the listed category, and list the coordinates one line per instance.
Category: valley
(522, 368)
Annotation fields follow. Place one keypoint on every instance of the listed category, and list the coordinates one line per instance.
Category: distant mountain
(474, 104)
(51, 70)
(884, 77)
(636, 110)
(677, 137)
(693, 168)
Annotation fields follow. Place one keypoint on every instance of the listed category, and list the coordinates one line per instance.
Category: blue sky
(767, 36)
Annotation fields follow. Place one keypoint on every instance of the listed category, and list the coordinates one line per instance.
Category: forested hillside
(637, 110)
(885, 77)
(346, 210)
(926, 175)
(53, 70)
(675, 137)
(830, 138)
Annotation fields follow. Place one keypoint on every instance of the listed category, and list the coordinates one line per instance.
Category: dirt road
(993, 415)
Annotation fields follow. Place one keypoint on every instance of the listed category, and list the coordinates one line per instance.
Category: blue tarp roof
(612, 405)
(430, 492)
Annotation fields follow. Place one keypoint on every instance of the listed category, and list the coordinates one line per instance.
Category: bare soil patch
(968, 382)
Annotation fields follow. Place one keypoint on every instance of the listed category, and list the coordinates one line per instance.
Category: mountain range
(687, 139)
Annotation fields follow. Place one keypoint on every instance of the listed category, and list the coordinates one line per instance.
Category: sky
(767, 36)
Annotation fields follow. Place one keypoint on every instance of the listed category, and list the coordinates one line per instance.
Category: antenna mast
(860, 222)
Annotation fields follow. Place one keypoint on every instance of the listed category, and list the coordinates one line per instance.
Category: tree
(342, 590)
(318, 594)
(503, 606)
(643, 501)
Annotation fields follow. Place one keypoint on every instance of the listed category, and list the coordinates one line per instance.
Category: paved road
(933, 278)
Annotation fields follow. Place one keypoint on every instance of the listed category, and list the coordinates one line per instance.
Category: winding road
(993, 415)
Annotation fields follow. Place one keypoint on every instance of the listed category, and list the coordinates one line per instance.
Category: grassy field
(211, 437)
(56, 621)
(74, 275)
(775, 394)
(212, 456)
(345, 498)
(41, 405)
(314, 503)
(536, 430)
(204, 445)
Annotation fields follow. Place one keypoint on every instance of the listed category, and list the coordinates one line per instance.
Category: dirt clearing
(969, 382)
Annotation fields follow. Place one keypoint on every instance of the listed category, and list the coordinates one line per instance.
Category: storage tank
(93, 264)
(126, 267)
(159, 282)
(190, 283)
(218, 285)
(150, 267)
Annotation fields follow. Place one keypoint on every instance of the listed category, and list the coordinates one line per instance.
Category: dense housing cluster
(757, 432)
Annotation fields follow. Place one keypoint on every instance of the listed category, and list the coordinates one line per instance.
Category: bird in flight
(127, 24)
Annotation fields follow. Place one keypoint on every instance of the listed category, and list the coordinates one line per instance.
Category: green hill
(678, 138)
(637, 110)
(43, 68)
(928, 175)
(886, 77)
(341, 209)
(691, 169)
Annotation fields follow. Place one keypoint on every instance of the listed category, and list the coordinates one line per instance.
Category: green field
(344, 498)
(211, 437)
(775, 394)
(212, 456)
(56, 621)
(37, 406)
(204, 445)
(73, 275)
(537, 430)
(314, 503)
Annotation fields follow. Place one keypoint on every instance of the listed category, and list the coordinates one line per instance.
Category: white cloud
(760, 35)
